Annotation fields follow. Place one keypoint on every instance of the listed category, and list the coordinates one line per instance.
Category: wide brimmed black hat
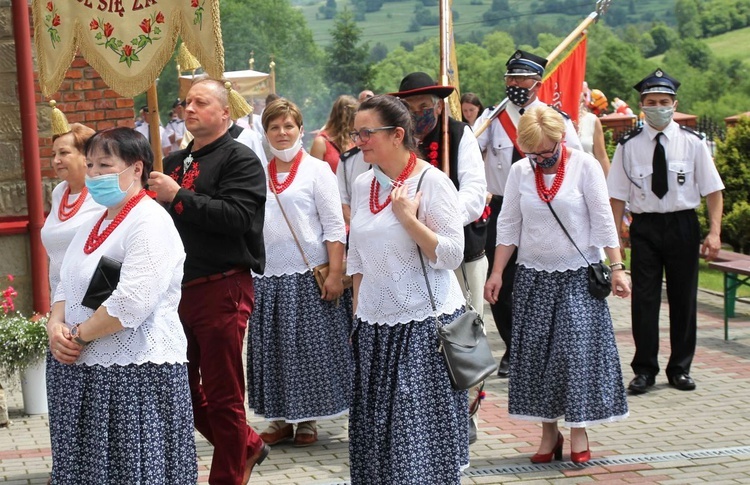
(421, 83)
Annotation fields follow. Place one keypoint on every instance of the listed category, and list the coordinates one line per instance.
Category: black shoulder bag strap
(566, 233)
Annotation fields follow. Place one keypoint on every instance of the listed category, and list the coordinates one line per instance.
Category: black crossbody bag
(600, 275)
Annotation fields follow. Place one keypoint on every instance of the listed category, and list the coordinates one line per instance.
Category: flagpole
(601, 7)
(444, 19)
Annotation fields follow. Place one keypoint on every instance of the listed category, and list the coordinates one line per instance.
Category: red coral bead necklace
(273, 173)
(547, 194)
(375, 205)
(95, 239)
(66, 210)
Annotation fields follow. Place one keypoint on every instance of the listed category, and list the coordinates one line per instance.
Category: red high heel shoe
(581, 456)
(556, 452)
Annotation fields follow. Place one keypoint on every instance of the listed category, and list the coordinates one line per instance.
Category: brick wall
(84, 98)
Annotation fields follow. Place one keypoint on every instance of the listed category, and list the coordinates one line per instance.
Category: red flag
(563, 85)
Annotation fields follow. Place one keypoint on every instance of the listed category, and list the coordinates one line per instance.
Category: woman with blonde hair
(71, 202)
(333, 139)
(563, 352)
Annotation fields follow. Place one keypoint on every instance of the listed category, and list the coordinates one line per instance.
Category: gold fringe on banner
(238, 107)
(60, 124)
(186, 60)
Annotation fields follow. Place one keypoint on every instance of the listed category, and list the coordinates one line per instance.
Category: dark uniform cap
(421, 83)
(178, 102)
(523, 63)
(658, 82)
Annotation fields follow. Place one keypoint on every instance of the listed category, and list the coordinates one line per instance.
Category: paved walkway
(670, 437)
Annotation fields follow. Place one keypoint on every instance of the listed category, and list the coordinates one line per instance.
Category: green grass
(708, 279)
(730, 45)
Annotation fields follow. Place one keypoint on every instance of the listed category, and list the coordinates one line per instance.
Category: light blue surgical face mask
(105, 189)
(381, 177)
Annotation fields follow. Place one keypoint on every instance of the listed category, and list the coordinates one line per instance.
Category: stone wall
(84, 98)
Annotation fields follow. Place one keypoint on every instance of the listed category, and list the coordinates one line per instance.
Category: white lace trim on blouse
(393, 288)
(147, 295)
(582, 204)
(313, 206)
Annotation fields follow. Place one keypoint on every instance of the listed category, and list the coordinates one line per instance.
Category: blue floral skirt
(563, 356)
(120, 424)
(299, 361)
(407, 423)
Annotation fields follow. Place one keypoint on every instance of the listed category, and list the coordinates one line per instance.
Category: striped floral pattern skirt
(121, 424)
(407, 423)
(563, 352)
(299, 361)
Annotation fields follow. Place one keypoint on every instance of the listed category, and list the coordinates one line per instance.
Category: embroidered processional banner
(563, 85)
(127, 41)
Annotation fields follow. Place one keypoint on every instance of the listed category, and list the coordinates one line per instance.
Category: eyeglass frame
(357, 135)
(538, 155)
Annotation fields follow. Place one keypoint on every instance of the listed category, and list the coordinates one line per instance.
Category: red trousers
(214, 316)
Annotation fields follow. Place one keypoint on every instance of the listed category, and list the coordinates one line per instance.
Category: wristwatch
(76, 337)
(618, 265)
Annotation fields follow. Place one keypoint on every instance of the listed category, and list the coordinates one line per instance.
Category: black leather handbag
(600, 275)
(463, 343)
(103, 282)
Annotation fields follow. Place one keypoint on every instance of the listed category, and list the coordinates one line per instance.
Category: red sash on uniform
(510, 129)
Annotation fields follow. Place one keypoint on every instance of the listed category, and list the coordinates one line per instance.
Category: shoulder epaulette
(690, 130)
(349, 154)
(629, 136)
(565, 115)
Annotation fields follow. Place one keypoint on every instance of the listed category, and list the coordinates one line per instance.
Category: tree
(687, 14)
(664, 38)
(733, 163)
(500, 10)
(276, 29)
(347, 67)
(328, 10)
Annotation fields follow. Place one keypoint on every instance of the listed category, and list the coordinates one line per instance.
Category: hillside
(732, 45)
(390, 25)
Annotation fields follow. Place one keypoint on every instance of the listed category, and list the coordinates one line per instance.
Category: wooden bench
(736, 269)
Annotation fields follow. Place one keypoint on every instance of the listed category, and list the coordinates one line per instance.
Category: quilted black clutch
(103, 282)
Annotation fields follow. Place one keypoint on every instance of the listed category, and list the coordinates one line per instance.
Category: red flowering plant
(128, 52)
(52, 20)
(23, 341)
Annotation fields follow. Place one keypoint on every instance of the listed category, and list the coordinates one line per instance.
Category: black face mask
(518, 95)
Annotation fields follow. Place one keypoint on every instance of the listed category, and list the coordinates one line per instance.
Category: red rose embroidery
(178, 208)
(55, 21)
(127, 50)
(194, 3)
(146, 26)
(108, 29)
(159, 18)
(175, 173)
(188, 180)
(94, 25)
(50, 7)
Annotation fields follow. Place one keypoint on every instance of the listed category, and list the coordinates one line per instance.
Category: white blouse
(582, 204)
(57, 234)
(393, 288)
(313, 206)
(147, 295)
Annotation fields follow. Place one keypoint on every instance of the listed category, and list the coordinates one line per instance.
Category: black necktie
(659, 181)
(522, 111)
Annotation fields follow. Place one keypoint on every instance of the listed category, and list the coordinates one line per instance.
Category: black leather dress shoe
(641, 383)
(683, 382)
(503, 370)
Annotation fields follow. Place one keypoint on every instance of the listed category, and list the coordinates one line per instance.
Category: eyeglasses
(542, 154)
(365, 133)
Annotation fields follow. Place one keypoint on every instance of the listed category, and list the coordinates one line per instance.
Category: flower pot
(34, 388)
